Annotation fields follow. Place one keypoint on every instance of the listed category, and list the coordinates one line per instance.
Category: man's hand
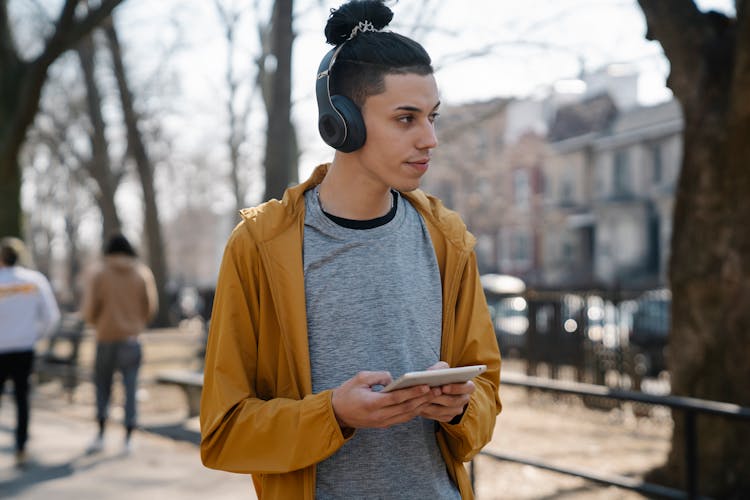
(356, 405)
(450, 400)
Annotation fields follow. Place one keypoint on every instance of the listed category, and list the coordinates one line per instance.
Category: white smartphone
(433, 378)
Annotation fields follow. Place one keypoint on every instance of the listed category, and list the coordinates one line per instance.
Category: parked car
(508, 310)
(650, 331)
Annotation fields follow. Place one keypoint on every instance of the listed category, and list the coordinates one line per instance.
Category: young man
(28, 311)
(119, 301)
(353, 277)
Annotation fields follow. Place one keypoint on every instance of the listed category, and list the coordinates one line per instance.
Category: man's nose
(428, 137)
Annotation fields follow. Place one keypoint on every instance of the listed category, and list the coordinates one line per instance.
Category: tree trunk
(20, 89)
(710, 258)
(137, 149)
(236, 121)
(99, 166)
(280, 160)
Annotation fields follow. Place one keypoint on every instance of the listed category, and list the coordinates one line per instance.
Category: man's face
(400, 131)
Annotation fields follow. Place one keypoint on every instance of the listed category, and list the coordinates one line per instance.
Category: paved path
(158, 467)
(166, 465)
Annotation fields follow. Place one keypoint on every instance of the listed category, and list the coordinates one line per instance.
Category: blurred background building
(571, 189)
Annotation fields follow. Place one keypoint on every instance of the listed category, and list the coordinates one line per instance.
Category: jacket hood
(277, 213)
(120, 262)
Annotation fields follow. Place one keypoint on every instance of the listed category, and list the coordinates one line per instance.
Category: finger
(404, 412)
(410, 399)
(369, 379)
(399, 396)
(407, 407)
(448, 401)
(455, 389)
(440, 413)
(439, 366)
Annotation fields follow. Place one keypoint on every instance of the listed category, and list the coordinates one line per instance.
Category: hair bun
(342, 21)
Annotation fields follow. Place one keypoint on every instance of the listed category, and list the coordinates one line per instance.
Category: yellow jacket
(258, 413)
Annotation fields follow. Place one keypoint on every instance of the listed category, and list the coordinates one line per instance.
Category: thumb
(372, 378)
(439, 366)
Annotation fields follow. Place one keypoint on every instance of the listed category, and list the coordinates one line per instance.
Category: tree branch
(682, 30)
(740, 106)
(488, 49)
(68, 31)
(34, 73)
(8, 52)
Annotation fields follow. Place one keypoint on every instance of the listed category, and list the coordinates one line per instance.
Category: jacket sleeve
(240, 431)
(152, 295)
(91, 306)
(49, 312)
(474, 343)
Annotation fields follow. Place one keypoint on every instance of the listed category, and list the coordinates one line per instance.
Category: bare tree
(21, 83)
(280, 155)
(709, 56)
(99, 165)
(59, 197)
(145, 167)
(237, 119)
(70, 135)
(55, 159)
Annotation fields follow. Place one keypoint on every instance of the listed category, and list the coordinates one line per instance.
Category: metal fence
(690, 407)
(592, 331)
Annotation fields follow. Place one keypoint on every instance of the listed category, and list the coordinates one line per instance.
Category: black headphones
(340, 122)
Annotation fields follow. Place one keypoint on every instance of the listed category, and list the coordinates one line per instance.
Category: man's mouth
(420, 163)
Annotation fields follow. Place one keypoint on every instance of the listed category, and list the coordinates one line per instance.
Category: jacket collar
(432, 209)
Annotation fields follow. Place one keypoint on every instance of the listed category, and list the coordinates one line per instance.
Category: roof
(590, 115)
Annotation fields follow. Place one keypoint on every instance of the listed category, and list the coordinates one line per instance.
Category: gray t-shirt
(373, 300)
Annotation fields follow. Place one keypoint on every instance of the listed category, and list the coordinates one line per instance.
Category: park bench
(191, 382)
(59, 360)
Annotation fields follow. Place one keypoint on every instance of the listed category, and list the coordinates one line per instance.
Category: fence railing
(690, 407)
(594, 331)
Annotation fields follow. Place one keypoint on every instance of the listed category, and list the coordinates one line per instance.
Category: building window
(656, 161)
(521, 188)
(567, 251)
(521, 247)
(567, 188)
(621, 174)
(481, 149)
(483, 186)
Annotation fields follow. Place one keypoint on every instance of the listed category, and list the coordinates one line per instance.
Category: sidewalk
(158, 467)
(165, 463)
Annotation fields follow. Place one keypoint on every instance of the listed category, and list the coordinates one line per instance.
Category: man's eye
(406, 119)
(434, 117)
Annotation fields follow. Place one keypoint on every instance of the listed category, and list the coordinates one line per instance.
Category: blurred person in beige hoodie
(119, 301)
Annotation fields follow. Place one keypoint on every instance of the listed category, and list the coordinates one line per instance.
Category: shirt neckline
(365, 224)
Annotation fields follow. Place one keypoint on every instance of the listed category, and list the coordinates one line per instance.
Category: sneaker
(127, 449)
(96, 445)
(22, 458)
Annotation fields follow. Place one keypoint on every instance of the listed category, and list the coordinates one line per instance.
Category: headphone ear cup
(332, 128)
(355, 124)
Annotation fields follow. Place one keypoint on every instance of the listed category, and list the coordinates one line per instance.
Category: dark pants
(17, 366)
(125, 357)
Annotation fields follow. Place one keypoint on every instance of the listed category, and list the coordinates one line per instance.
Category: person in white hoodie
(28, 311)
